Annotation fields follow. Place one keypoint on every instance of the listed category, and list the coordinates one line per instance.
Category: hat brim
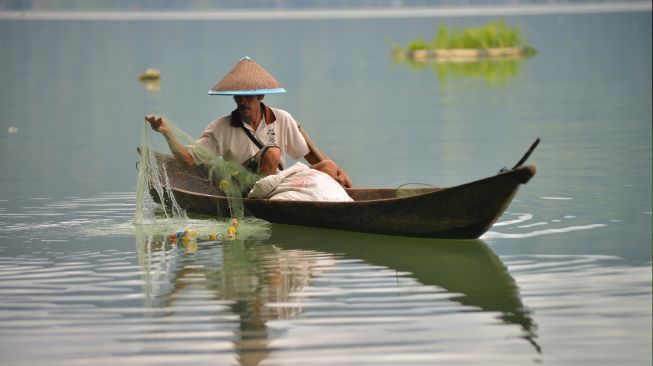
(248, 92)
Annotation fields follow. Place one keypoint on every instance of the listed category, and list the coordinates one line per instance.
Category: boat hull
(460, 212)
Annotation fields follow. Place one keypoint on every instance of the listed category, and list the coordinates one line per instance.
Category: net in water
(227, 177)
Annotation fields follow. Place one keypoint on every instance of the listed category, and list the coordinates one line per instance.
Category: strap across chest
(256, 142)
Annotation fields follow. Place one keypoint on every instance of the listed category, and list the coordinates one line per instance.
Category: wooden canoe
(460, 212)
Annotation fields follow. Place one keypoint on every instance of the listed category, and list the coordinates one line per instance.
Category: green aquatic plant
(417, 44)
(495, 34)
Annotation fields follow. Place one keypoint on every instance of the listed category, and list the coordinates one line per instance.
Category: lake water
(564, 277)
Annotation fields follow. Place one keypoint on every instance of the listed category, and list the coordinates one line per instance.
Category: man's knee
(270, 160)
(272, 155)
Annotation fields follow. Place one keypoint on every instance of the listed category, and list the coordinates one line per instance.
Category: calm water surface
(564, 277)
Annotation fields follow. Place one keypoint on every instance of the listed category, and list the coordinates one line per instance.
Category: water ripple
(520, 226)
(275, 300)
(226, 303)
(109, 214)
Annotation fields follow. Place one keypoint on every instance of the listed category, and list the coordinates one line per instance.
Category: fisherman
(254, 134)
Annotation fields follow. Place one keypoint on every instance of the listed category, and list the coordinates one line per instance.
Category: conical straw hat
(247, 78)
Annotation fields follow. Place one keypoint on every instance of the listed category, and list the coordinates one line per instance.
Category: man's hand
(179, 151)
(343, 178)
(339, 175)
(158, 123)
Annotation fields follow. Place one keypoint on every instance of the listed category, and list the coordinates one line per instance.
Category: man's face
(248, 106)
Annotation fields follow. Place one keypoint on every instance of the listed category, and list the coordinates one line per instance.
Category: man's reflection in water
(249, 275)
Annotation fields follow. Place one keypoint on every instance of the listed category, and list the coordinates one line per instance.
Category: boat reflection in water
(467, 268)
(240, 299)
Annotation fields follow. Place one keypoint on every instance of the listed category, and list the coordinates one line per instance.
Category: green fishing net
(226, 178)
(414, 189)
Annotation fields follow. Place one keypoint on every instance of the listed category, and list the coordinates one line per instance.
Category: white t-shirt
(233, 144)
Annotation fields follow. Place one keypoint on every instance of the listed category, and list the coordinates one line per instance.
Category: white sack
(299, 183)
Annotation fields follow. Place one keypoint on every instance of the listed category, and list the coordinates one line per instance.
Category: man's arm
(178, 150)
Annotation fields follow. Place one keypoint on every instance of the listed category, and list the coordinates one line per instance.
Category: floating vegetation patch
(494, 40)
(151, 79)
(150, 74)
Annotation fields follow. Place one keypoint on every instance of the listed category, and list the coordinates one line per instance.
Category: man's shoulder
(282, 115)
(219, 128)
(221, 122)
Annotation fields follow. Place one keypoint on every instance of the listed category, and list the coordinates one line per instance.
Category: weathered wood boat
(462, 212)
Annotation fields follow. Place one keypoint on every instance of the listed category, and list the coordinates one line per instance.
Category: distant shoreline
(362, 13)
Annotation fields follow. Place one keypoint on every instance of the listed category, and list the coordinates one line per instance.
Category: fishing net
(150, 174)
(413, 189)
(225, 178)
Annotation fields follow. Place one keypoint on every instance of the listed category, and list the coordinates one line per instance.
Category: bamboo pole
(311, 145)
